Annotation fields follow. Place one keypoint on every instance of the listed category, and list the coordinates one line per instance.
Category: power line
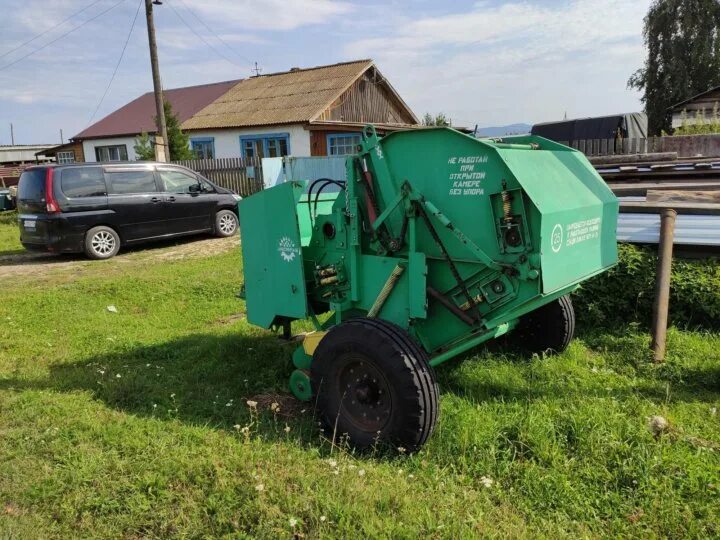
(61, 36)
(201, 37)
(209, 29)
(3, 55)
(117, 66)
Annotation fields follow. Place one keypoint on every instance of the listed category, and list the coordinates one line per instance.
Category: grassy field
(135, 424)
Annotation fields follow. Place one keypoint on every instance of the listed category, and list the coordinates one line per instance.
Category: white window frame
(65, 157)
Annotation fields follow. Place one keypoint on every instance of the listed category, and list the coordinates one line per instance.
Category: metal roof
(690, 230)
(693, 98)
(298, 95)
(138, 115)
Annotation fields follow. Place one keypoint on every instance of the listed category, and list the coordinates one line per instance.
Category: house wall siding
(226, 141)
(368, 100)
(706, 102)
(90, 145)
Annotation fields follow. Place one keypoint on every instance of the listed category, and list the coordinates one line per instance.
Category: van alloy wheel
(227, 224)
(103, 243)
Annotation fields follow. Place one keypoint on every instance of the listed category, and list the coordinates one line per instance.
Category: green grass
(135, 424)
(9, 236)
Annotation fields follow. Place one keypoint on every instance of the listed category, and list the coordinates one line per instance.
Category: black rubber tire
(223, 217)
(92, 245)
(406, 375)
(547, 329)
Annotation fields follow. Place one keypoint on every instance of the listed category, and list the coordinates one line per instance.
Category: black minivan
(95, 208)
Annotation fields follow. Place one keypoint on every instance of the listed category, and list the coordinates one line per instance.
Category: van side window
(124, 182)
(83, 182)
(177, 181)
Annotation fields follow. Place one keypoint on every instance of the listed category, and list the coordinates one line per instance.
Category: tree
(178, 142)
(145, 147)
(683, 44)
(438, 120)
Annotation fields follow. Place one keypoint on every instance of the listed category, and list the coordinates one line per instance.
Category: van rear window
(83, 182)
(32, 185)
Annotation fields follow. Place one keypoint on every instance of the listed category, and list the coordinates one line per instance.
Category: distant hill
(499, 131)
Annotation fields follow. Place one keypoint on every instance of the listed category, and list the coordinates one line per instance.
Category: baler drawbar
(435, 243)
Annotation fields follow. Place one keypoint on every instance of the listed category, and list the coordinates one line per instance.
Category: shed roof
(297, 95)
(693, 98)
(138, 115)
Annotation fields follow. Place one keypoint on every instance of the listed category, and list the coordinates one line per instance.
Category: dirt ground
(26, 264)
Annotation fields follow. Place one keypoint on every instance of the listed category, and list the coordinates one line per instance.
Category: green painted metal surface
(274, 287)
(523, 221)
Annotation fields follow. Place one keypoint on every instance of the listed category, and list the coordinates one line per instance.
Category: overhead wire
(61, 36)
(41, 34)
(200, 36)
(209, 29)
(117, 66)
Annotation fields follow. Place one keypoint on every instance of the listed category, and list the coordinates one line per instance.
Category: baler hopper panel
(578, 213)
(272, 256)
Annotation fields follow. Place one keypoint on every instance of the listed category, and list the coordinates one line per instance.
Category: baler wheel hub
(365, 386)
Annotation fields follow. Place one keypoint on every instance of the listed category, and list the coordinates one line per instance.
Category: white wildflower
(237, 427)
(322, 518)
(252, 404)
(118, 376)
(275, 407)
(487, 481)
(361, 472)
(287, 428)
(260, 487)
(293, 522)
(112, 309)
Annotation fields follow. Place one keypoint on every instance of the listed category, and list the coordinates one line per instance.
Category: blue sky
(483, 62)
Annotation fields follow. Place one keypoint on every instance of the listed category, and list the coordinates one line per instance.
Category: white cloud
(519, 61)
(271, 14)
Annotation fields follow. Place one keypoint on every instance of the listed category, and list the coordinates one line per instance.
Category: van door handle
(170, 199)
(155, 199)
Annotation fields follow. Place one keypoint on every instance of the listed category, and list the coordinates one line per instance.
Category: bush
(701, 124)
(625, 293)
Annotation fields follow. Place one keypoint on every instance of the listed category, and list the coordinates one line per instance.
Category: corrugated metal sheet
(283, 169)
(690, 230)
(280, 98)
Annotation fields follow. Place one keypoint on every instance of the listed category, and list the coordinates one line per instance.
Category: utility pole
(12, 135)
(62, 140)
(257, 69)
(157, 85)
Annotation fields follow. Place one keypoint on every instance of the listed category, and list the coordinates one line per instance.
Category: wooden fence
(611, 147)
(243, 176)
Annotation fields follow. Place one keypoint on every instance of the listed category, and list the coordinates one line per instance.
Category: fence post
(662, 284)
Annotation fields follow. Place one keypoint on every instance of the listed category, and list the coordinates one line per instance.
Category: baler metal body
(560, 209)
(452, 238)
